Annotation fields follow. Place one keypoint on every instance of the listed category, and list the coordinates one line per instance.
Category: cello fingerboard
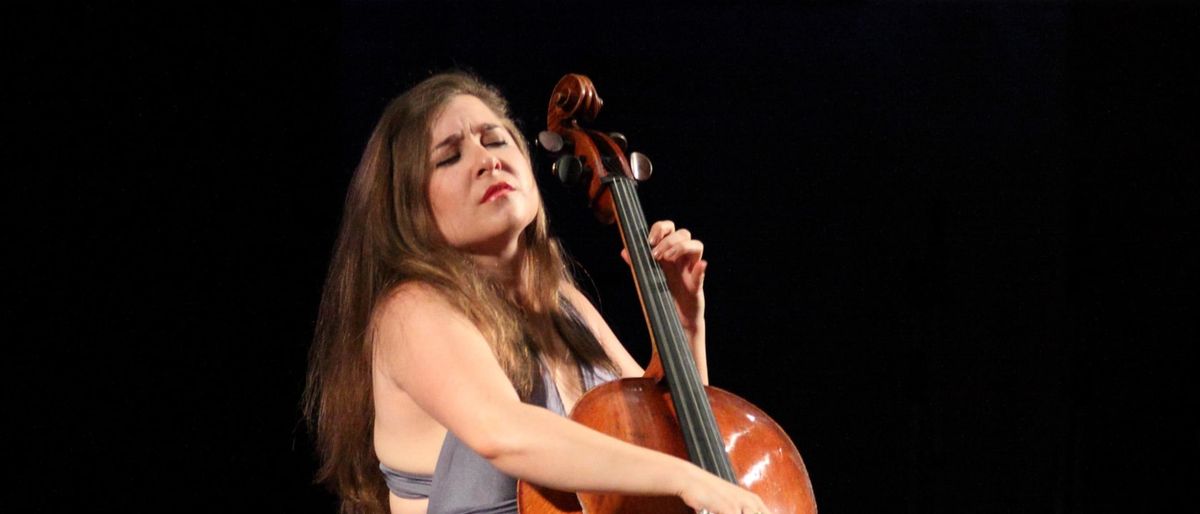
(692, 408)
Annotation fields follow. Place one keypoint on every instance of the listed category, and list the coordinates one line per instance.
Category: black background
(948, 241)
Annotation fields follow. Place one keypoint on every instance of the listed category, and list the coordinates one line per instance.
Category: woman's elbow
(493, 446)
(500, 434)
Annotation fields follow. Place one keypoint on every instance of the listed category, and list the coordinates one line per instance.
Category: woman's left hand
(681, 258)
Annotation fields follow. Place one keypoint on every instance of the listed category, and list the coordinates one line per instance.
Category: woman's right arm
(435, 354)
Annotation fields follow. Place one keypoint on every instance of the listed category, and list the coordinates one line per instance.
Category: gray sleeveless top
(464, 482)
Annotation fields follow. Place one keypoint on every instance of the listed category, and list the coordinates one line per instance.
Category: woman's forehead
(463, 112)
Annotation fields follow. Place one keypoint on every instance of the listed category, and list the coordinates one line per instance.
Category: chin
(494, 241)
(519, 218)
(498, 231)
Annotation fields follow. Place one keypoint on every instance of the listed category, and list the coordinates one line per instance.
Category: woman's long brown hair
(388, 237)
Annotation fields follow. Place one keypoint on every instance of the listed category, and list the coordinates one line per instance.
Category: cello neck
(692, 408)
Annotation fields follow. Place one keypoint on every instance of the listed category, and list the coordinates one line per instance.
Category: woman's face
(481, 189)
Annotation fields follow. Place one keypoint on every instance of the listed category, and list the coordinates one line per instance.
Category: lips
(496, 190)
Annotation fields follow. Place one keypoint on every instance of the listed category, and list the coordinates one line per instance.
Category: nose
(487, 163)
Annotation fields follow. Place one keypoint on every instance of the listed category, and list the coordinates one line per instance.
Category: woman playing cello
(451, 339)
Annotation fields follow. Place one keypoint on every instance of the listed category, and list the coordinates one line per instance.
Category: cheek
(440, 201)
(537, 194)
(530, 182)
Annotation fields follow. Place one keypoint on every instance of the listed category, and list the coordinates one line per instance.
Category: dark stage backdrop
(947, 240)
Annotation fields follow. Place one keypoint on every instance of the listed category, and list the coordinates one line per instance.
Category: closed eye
(490, 132)
(448, 161)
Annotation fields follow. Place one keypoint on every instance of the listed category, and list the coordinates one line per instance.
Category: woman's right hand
(704, 491)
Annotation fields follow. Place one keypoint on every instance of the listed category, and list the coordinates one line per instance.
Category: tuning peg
(641, 166)
(568, 169)
(620, 139)
(550, 141)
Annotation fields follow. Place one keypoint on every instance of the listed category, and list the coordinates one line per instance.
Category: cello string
(689, 389)
(639, 246)
(692, 385)
(698, 399)
(636, 234)
(675, 350)
(708, 446)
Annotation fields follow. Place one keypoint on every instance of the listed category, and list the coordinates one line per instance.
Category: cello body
(640, 411)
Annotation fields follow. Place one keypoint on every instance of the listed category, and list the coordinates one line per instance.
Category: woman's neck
(505, 266)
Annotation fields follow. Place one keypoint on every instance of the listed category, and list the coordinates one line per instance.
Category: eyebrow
(454, 138)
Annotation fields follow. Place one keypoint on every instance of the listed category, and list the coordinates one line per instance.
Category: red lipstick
(497, 189)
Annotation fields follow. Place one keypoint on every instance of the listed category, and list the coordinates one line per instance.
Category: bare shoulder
(412, 296)
(415, 305)
(574, 295)
(595, 321)
(411, 316)
(583, 305)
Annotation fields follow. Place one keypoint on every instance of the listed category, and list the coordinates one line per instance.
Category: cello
(668, 409)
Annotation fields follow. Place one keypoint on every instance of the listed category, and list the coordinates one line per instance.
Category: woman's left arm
(681, 258)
